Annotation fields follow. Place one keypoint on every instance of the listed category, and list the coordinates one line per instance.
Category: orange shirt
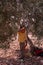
(22, 35)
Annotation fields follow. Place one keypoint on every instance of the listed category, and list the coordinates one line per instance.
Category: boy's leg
(23, 49)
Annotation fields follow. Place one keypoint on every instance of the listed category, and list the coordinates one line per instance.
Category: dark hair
(21, 26)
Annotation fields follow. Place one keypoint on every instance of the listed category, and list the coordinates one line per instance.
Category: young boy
(22, 38)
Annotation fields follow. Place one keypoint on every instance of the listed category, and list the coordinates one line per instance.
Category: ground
(10, 56)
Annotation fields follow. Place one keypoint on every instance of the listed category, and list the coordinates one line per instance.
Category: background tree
(11, 13)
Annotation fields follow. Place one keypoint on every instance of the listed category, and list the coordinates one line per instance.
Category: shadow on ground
(30, 61)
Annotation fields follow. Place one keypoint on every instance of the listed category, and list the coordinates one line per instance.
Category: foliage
(12, 12)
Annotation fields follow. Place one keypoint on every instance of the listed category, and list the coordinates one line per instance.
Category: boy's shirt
(22, 36)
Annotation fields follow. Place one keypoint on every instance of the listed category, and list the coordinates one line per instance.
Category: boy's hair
(21, 26)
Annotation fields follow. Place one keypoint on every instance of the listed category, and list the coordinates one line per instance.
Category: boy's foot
(21, 57)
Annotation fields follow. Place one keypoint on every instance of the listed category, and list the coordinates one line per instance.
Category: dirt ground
(10, 56)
